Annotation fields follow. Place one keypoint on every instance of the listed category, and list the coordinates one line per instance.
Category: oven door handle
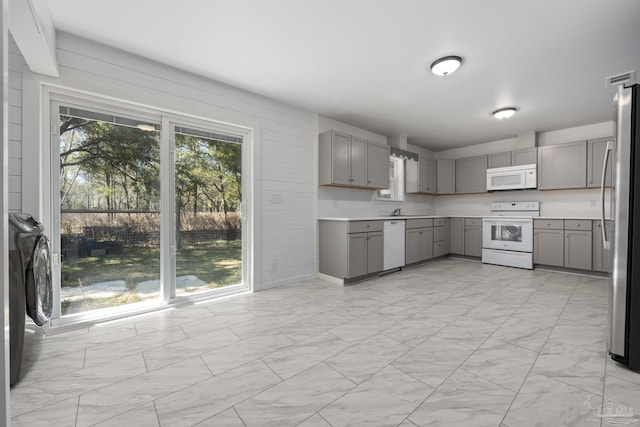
(507, 222)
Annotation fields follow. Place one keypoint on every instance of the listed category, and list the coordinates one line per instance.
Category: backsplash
(349, 202)
(561, 203)
(345, 202)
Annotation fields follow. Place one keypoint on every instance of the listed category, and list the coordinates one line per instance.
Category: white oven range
(507, 235)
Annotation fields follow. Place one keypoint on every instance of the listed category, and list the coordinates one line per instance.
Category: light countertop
(405, 217)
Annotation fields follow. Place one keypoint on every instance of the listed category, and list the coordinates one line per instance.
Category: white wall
(285, 138)
(579, 133)
(348, 202)
(16, 64)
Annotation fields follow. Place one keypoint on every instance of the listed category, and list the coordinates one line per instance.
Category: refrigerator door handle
(606, 243)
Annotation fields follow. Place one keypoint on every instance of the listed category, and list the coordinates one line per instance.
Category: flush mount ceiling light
(504, 113)
(446, 65)
(146, 127)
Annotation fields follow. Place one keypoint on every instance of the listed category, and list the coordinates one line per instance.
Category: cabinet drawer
(439, 234)
(419, 223)
(440, 221)
(548, 224)
(364, 226)
(439, 249)
(473, 221)
(578, 224)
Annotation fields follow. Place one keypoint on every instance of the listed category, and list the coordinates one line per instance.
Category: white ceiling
(365, 62)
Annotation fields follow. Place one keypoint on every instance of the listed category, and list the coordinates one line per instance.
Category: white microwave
(512, 178)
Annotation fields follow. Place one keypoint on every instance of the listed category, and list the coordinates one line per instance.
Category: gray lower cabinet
(578, 243)
(548, 242)
(562, 166)
(366, 253)
(418, 240)
(563, 243)
(446, 173)
(473, 237)
(471, 175)
(457, 236)
(375, 252)
(350, 249)
(577, 249)
(601, 256)
(441, 237)
(595, 160)
(357, 255)
(548, 247)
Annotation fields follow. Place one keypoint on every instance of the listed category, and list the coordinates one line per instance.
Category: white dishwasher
(393, 244)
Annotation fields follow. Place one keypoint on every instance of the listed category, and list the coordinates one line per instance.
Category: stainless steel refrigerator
(624, 339)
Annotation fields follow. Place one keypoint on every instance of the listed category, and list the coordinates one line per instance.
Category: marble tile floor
(450, 343)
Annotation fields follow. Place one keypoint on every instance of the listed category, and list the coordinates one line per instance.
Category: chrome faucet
(396, 212)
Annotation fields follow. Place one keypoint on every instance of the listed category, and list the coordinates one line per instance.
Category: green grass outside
(218, 265)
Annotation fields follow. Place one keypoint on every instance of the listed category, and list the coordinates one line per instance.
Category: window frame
(396, 182)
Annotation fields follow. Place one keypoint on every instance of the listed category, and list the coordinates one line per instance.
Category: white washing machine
(30, 288)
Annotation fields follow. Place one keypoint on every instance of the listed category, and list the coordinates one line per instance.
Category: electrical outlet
(276, 198)
(592, 203)
(274, 267)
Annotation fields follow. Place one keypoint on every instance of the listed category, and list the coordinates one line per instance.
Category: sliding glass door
(208, 217)
(122, 242)
(108, 210)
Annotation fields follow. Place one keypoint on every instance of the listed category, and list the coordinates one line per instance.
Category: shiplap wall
(16, 64)
(286, 140)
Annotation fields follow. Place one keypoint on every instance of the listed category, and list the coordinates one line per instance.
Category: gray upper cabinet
(528, 156)
(358, 162)
(471, 175)
(377, 165)
(562, 166)
(595, 160)
(499, 160)
(349, 161)
(430, 177)
(335, 157)
(446, 173)
(420, 177)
